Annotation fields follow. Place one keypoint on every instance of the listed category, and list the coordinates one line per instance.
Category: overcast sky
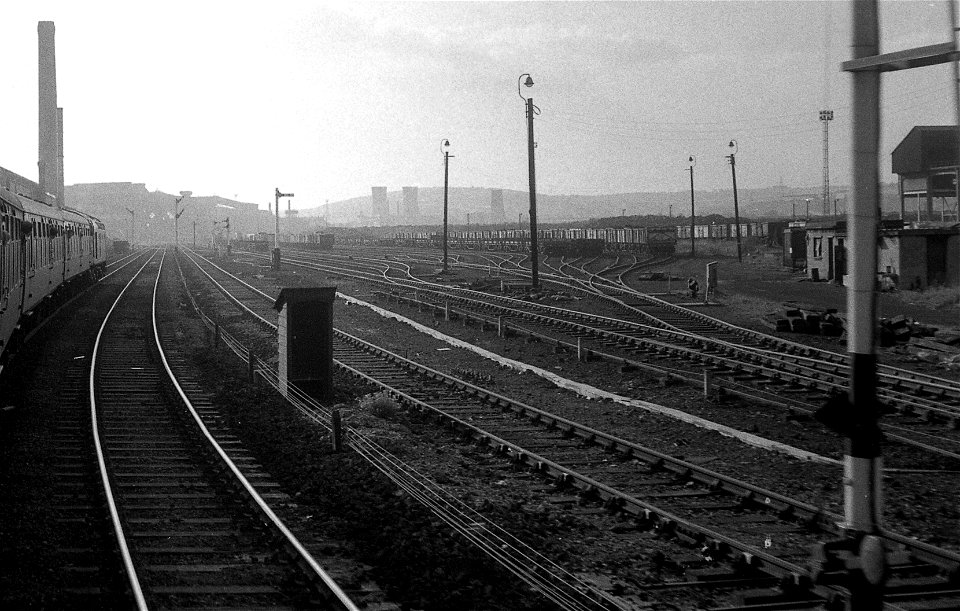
(325, 100)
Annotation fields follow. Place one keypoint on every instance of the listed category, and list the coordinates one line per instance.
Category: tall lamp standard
(132, 217)
(736, 206)
(693, 249)
(445, 148)
(276, 235)
(531, 110)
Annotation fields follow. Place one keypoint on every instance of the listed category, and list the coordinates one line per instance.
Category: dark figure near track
(693, 286)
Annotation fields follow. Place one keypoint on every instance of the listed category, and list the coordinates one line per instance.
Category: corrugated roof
(926, 147)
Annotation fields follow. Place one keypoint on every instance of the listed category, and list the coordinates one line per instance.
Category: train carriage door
(830, 270)
(4, 239)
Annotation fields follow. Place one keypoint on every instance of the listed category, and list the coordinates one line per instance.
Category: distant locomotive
(45, 253)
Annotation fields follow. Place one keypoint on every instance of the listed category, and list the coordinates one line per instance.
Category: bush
(381, 405)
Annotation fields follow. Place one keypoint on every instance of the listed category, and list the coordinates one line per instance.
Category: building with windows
(910, 256)
(927, 164)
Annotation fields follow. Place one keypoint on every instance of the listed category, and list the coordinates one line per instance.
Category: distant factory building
(927, 162)
(380, 207)
(411, 203)
(497, 213)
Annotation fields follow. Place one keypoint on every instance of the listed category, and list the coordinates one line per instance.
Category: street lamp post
(445, 148)
(693, 248)
(276, 235)
(736, 206)
(531, 110)
(808, 208)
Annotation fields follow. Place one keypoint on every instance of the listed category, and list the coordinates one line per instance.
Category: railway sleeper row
(765, 371)
(562, 476)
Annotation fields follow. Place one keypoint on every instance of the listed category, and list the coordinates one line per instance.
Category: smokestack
(61, 202)
(49, 122)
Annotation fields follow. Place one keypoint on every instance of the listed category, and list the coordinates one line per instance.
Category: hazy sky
(325, 100)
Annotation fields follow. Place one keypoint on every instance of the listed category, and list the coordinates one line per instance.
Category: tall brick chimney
(49, 161)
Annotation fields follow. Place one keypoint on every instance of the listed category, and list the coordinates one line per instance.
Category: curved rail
(336, 598)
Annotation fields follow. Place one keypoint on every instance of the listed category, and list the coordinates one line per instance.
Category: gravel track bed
(412, 555)
(916, 504)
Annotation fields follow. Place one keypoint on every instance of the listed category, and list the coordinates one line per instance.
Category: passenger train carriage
(45, 254)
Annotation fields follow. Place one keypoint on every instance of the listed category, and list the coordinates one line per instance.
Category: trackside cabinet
(305, 339)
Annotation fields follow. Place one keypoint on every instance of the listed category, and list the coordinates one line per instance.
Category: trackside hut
(826, 254)
(921, 256)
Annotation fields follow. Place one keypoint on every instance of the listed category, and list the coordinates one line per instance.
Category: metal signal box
(305, 340)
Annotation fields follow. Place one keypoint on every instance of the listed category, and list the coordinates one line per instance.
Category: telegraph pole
(693, 248)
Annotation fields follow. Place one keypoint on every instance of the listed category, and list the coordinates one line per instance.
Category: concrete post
(336, 430)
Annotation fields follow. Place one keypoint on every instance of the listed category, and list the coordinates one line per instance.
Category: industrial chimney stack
(51, 173)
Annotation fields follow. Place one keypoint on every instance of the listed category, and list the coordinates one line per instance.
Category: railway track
(927, 420)
(192, 529)
(727, 521)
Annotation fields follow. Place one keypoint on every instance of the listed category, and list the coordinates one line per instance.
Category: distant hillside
(769, 202)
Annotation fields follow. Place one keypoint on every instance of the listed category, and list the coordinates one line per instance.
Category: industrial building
(927, 164)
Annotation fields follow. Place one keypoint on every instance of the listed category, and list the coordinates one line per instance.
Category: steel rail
(340, 598)
(901, 398)
(131, 572)
(566, 590)
(775, 501)
(889, 390)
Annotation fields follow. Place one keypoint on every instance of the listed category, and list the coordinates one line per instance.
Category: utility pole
(825, 117)
(693, 248)
(736, 206)
(194, 235)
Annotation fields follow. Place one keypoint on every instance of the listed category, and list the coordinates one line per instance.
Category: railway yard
(606, 442)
